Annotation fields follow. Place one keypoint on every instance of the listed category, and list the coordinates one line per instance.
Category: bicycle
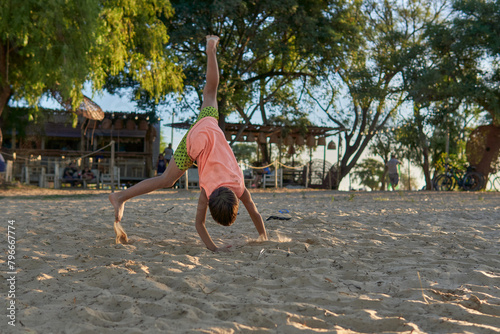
(493, 183)
(469, 180)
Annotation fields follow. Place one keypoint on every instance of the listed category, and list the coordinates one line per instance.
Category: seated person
(87, 174)
(161, 165)
(260, 172)
(70, 174)
(2, 166)
(2, 163)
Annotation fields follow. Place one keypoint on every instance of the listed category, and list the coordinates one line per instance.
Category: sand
(411, 262)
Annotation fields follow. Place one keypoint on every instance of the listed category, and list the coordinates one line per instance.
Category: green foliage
(46, 45)
(244, 152)
(265, 47)
(451, 82)
(372, 72)
(163, 141)
(406, 182)
(384, 144)
(62, 44)
(370, 173)
(454, 161)
(464, 53)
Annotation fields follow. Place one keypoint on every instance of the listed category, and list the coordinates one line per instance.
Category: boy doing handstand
(221, 179)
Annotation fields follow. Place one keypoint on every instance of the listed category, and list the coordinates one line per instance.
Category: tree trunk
(5, 89)
(384, 177)
(491, 150)
(222, 115)
(426, 168)
(5, 93)
(222, 122)
(264, 151)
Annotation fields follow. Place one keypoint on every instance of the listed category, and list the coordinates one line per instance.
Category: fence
(106, 166)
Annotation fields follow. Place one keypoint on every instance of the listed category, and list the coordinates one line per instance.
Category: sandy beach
(359, 262)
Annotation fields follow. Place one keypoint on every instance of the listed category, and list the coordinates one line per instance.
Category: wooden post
(338, 162)
(447, 146)
(172, 131)
(82, 140)
(324, 162)
(26, 174)
(409, 178)
(8, 174)
(41, 180)
(307, 175)
(13, 139)
(187, 178)
(276, 174)
(57, 181)
(112, 166)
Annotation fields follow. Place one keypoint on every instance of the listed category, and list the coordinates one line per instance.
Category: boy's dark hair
(223, 205)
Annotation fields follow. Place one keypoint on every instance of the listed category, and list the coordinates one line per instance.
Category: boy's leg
(166, 180)
(212, 75)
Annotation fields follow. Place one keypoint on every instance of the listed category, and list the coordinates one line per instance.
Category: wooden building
(59, 138)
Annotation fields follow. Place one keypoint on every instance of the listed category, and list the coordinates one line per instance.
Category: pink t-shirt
(217, 166)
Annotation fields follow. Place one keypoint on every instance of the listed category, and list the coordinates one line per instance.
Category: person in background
(3, 167)
(2, 163)
(168, 152)
(161, 165)
(70, 174)
(392, 166)
(87, 174)
(259, 174)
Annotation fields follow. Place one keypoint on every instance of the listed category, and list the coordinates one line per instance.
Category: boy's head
(223, 205)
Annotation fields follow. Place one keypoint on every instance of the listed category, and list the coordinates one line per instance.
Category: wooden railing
(28, 164)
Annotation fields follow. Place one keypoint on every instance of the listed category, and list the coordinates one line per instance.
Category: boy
(221, 180)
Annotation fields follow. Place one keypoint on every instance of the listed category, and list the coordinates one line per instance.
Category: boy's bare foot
(119, 206)
(212, 41)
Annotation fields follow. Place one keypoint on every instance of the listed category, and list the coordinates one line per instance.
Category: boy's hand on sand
(121, 236)
(212, 42)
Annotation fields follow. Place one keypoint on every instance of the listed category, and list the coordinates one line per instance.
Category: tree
(370, 173)
(414, 136)
(58, 45)
(468, 51)
(384, 144)
(478, 28)
(425, 134)
(371, 72)
(265, 48)
(244, 152)
(406, 182)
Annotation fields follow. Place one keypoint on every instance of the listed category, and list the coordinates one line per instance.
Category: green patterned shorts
(181, 158)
